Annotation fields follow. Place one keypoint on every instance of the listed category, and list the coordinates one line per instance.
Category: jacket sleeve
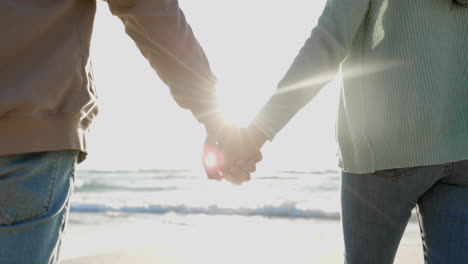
(316, 64)
(163, 36)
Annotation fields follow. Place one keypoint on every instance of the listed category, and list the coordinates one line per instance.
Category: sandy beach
(214, 239)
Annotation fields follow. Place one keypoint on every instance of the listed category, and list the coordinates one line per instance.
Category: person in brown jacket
(48, 102)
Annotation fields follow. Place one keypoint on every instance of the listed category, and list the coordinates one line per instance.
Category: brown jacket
(47, 96)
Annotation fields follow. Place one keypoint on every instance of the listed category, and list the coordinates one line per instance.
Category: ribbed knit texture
(404, 100)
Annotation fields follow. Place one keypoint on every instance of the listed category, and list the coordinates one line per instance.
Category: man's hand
(241, 148)
(213, 157)
(240, 171)
(212, 160)
(231, 152)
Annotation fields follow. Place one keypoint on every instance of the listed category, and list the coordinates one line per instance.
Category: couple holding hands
(401, 129)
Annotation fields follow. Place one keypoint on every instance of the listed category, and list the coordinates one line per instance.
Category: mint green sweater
(404, 100)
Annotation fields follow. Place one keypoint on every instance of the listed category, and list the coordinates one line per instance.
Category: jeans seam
(41, 212)
(63, 222)
(52, 182)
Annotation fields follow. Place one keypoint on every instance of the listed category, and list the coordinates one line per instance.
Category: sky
(250, 45)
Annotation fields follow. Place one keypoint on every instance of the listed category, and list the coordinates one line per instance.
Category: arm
(316, 65)
(163, 36)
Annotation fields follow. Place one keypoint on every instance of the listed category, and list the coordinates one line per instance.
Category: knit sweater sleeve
(163, 36)
(316, 64)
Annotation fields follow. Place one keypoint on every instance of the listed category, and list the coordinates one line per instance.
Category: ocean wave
(285, 210)
(309, 172)
(145, 171)
(187, 173)
(103, 187)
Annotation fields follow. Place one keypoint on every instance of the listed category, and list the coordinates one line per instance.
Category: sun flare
(211, 160)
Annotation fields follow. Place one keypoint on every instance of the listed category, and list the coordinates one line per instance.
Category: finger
(211, 171)
(226, 176)
(239, 175)
(231, 178)
(246, 166)
(212, 174)
(247, 177)
(253, 165)
(212, 158)
(226, 171)
(257, 157)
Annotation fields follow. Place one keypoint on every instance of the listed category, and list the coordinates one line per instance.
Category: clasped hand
(232, 153)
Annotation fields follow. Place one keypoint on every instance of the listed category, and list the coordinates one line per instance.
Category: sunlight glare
(239, 102)
(211, 160)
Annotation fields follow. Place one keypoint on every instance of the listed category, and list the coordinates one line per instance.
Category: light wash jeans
(34, 200)
(376, 208)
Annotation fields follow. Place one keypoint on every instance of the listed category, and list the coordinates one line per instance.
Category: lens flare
(211, 160)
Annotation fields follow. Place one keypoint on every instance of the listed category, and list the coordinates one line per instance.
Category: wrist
(258, 138)
(213, 126)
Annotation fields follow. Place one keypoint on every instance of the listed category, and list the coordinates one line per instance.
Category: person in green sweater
(402, 125)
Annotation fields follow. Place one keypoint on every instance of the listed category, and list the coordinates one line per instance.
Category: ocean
(179, 216)
(280, 194)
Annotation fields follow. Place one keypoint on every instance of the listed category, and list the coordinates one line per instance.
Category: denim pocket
(26, 186)
(393, 174)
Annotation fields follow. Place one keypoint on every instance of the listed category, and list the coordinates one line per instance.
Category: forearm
(163, 36)
(316, 64)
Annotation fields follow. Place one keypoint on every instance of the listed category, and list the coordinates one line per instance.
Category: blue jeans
(376, 208)
(34, 200)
